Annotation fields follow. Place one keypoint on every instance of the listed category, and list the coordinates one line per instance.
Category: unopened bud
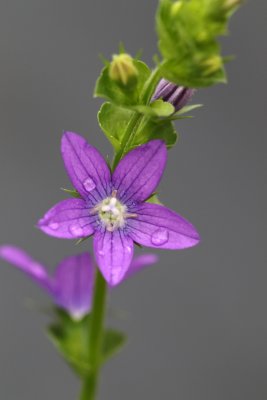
(178, 96)
(212, 64)
(122, 69)
(230, 5)
(175, 8)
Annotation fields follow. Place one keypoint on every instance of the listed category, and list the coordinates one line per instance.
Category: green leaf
(155, 129)
(187, 109)
(70, 337)
(71, 340)
(158, 108)
(113, 342)
(109, 89)
(114, 120)
(188, 32)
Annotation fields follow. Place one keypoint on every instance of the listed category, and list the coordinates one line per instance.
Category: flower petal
(141, 262)
(139, 172)
(74, 283)
(87, 169)
(69, 219)
(23, 261)
(159, 227)
(114, 253)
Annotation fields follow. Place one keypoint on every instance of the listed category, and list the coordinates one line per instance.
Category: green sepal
(188, 32)
(70, 337)
(112, 91)
(114, 120)
(154, 199)
(72, 192)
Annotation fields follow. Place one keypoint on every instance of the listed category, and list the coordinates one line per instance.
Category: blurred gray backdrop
(197, 322)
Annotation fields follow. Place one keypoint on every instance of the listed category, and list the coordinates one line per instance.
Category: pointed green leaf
(154, 199)
(113, 342)
(71, 192)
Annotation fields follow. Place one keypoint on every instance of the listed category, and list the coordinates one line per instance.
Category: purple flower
(113, 207)
(178, 96)
(71, 287)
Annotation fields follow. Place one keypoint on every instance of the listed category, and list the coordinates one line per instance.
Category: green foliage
(188, 31)
(125, 95)
(70, 337)
(115, 120)
(71, 192)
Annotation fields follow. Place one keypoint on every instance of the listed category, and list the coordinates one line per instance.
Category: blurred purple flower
(71, 287)
(113, 207)
(178, 96)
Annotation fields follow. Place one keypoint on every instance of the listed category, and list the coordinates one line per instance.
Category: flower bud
(178, 96)
(212, 64)
(176, 6)
(122, 70)
(230, 5)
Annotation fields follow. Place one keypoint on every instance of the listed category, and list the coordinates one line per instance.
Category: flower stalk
(95, 338)
(96, 330)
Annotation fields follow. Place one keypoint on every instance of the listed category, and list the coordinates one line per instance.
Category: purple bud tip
(178, 96)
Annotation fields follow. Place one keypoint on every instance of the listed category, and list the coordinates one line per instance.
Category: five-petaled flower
(71, 287)
(113, 207)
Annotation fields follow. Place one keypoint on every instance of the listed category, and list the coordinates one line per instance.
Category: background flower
(71, 287)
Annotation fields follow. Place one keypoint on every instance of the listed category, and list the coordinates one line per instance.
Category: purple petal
(69, 219)
(21, 260)
(74, 283)
(141, 262)
(114, 253)
(87, 169)
(178, 96)
(157, 226)
(139, 172)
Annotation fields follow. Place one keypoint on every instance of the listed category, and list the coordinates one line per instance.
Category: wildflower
(113, 207)
(178, 96)
(71, 287)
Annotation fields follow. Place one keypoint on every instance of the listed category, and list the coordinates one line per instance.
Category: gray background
(197, 321)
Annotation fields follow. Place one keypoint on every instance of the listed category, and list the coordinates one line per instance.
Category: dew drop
(101, 252)
(89, 184)
(129, 249)
(53, 225)
(160, 237)
(76, 230)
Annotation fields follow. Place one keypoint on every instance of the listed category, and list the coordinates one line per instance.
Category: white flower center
(112, 213)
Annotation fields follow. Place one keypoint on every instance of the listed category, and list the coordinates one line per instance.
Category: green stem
(137, 118)
(96, 332)
(95, 342)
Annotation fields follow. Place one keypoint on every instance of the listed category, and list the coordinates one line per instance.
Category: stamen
(129, 215)
(114, 193)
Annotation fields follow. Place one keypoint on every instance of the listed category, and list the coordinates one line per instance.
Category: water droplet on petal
(89, 184)
(129, 249)
(160, 237)
(76, 230)
(53, 225)
(101, 252)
